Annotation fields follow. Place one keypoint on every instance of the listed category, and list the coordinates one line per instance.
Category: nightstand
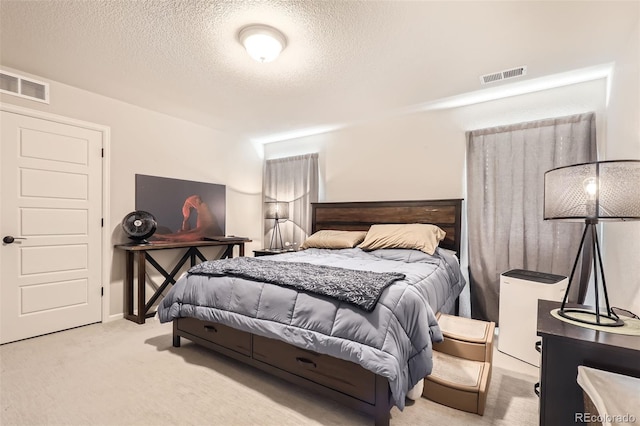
(269, 252)
(565, 347)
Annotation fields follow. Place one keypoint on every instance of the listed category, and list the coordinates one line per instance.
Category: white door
(51, 198)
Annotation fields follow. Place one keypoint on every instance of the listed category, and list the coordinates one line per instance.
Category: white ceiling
(346, 61)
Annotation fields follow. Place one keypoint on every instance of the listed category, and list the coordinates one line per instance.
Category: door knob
(9, 239)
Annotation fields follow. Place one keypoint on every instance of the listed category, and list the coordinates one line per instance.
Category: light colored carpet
(122, 373)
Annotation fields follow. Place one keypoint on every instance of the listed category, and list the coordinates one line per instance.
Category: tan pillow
(416, 236)
(331, 239)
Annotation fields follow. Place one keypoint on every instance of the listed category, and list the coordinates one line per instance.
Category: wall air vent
(503, 75)
(24, 87)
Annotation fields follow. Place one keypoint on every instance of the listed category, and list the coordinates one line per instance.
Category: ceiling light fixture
(263, 43)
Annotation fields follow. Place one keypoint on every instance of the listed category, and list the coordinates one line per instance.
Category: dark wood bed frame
(343, 381)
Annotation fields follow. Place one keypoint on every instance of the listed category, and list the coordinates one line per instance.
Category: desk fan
(139, 225)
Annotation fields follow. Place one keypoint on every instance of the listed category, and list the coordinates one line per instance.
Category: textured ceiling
(345, 61)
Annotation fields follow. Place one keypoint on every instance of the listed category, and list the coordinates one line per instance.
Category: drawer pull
(539, 346)
(306, 362)
(210, 329)
(536, 389)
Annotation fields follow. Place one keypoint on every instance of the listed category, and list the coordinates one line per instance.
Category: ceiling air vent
(503, 75)
(24, 87)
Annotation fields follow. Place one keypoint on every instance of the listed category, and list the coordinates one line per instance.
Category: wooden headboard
(360, 215)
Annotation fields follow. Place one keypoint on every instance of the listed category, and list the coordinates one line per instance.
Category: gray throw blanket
(359, 288)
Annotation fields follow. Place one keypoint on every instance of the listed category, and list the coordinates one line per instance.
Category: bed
(365, 356)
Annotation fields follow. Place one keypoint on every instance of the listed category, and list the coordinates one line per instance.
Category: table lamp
(593, 192)
(276, 210)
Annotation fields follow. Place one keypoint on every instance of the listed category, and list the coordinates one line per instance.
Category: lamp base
(590, 317)
(275, 236)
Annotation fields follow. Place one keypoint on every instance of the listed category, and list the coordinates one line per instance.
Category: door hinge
(102, 223)
(101, 291)
(102, 152)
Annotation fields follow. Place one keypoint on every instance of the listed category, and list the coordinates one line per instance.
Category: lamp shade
(601, 190)
(276, 210)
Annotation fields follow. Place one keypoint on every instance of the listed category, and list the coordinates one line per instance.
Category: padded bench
(461, 364)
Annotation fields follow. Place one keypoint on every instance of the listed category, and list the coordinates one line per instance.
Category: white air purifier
(520, 291)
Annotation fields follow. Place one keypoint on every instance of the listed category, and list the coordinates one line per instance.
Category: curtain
(293, 180)
(505, 193)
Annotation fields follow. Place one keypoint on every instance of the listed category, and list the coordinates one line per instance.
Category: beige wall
(422, 155)
(621, 241)
(146, 142)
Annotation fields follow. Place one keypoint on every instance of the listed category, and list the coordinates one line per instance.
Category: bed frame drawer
(343, 376)
(230, 338)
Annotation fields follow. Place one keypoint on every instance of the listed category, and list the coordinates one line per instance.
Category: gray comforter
(394, 340)
(360, 288)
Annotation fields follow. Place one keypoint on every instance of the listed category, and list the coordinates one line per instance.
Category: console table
(140, 254)
(566, 346)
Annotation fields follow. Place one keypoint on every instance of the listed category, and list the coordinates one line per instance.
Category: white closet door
(51, 183)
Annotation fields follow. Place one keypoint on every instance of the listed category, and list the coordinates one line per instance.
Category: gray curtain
(505, 193)
(293, 180)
